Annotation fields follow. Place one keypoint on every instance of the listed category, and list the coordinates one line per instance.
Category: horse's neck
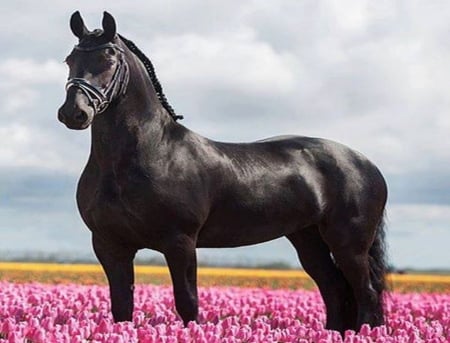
(135, 123)
(124, 134)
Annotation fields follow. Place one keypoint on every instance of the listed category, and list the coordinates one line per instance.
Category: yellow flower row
(219, 272)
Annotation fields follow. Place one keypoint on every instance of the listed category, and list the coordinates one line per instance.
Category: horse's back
(327, 155)
(336, 164)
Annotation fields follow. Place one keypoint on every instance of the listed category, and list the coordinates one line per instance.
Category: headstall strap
(100, 98)
(98, 47)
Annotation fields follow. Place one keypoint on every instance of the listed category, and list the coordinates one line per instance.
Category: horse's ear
(109, 26)
(77, 25)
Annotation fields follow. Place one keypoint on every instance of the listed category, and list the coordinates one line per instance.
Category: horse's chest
(108, 206)
(113, 210)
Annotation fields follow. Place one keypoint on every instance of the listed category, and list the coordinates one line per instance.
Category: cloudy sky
(371, 75)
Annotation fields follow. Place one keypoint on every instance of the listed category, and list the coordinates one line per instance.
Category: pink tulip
(75, 313)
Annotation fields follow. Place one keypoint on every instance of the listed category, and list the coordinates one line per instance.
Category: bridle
(100, 98)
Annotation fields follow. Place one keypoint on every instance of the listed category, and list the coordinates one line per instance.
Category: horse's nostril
(81, 116)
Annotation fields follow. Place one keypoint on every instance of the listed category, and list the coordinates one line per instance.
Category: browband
(98, 47)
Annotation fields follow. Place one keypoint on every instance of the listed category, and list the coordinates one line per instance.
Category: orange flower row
(260, 278)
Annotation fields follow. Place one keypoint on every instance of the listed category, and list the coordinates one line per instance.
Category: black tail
(378, 264)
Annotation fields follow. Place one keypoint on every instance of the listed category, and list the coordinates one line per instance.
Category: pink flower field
(74, 313)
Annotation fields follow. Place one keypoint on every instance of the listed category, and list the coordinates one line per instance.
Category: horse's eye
(110, 51)
(105, 55)
(105, 61)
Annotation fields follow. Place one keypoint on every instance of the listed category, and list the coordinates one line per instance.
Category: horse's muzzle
(76, 114)
(77, 118)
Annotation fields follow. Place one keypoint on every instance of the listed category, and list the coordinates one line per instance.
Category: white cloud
(39, 148)
(236, 61)
(20, 72)
(21, 82)
(19, 99)
(26, 140)
(418, 235)
(420, 215)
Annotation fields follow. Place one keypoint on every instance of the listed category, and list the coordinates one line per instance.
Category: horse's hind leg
(118, 266)
(182, 262)
(315, 258)
(350, 245)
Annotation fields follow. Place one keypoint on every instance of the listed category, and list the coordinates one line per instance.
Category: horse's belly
(269, 210)
(233, 232)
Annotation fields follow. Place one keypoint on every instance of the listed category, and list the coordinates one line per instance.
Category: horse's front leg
(181, 259)
(117, 263)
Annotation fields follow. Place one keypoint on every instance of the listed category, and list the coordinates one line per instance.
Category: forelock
(92, 39)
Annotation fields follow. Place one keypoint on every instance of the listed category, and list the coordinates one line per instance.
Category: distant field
(89, 274)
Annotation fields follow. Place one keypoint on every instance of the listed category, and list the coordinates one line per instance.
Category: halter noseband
(100, 98)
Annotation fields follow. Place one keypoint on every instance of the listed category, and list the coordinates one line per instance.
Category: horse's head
(98, 73)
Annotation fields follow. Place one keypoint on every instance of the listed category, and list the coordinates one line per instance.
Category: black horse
(152, 183)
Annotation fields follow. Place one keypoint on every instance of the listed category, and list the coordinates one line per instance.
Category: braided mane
(151, 73)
